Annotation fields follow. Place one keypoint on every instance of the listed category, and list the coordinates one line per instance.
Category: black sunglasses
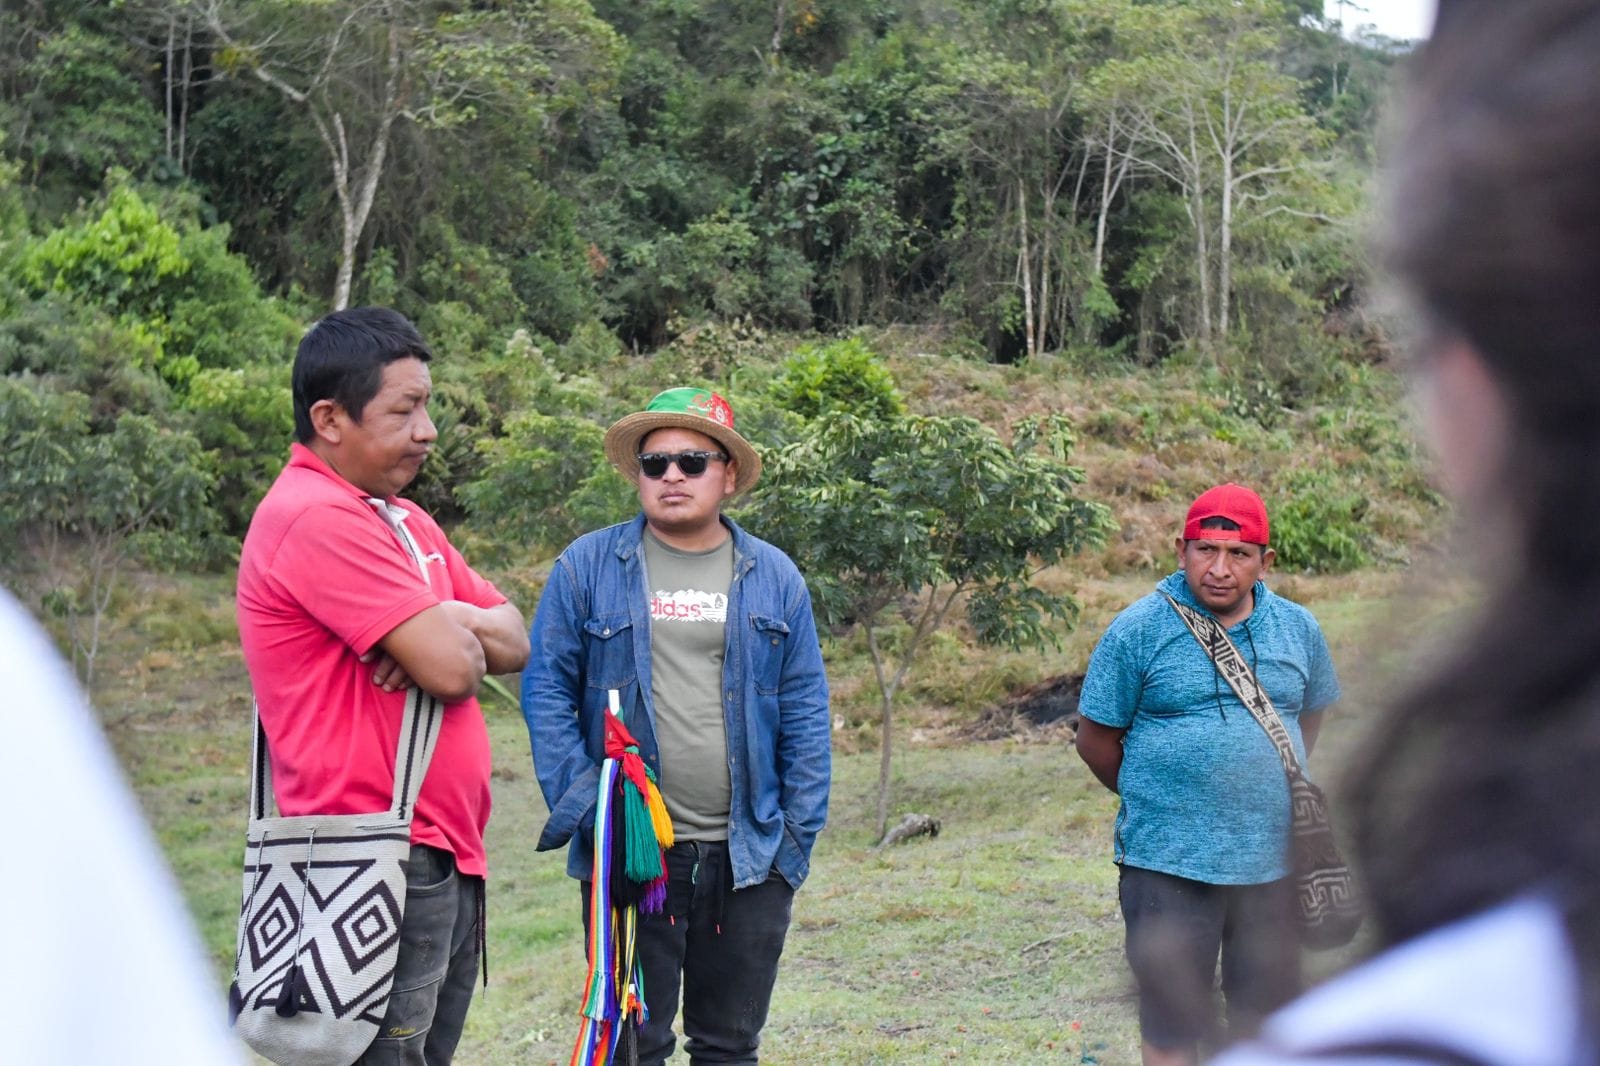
(692, 464)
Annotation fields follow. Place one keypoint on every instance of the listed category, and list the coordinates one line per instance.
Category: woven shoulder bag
(324, 895)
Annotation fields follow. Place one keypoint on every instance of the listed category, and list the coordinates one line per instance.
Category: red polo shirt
(322, 579)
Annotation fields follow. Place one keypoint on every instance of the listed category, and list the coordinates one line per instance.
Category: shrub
(544, 482)
(244, 418)
(844, 377)
(1321, 526)
(194, 303)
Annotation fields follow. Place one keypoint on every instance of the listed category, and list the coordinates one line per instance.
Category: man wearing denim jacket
(707, 634)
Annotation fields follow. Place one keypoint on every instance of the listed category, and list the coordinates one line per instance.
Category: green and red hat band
(701, 403)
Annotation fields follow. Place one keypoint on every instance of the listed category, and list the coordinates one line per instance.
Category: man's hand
(499, 629)
(447, 649)
(387, 674)
(435, 653)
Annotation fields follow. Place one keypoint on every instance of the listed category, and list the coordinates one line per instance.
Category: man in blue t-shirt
(1202, 836)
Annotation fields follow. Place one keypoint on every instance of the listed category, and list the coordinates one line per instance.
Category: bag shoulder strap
(419, 735)
(1225, 656)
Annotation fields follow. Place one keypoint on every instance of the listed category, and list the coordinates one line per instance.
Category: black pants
(720, 946)
(1178, 928)
(438, 964)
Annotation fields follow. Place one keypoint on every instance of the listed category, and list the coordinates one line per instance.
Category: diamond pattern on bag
(330, 981)
(265, 994)
(369, 926)
(273, 925)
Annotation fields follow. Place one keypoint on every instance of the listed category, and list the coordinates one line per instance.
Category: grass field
(997, 939)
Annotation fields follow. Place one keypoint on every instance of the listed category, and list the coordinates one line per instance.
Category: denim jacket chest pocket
(769, 648)
(608, 651)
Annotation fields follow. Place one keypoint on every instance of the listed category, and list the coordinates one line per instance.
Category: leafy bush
(219, 316)
(76, 503)
(136, 481)
(118, 259)
(75, 348)
(1321, 526)
(86, 109)
(544, 482)
(844, 377)
(193, 302)
(244, 418)
(464, 296)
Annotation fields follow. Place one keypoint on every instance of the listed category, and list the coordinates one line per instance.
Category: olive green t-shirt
(688, 626)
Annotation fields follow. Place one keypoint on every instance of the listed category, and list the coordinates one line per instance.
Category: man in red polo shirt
(338, 617)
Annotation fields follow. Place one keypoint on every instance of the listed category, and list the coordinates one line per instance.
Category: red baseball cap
(1228, 501)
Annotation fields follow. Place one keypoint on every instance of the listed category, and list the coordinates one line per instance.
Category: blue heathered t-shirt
(1203, 791)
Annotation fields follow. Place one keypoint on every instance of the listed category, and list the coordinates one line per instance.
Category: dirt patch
(1051, 704)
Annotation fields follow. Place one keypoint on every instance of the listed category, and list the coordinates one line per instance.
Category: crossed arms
(446, 649)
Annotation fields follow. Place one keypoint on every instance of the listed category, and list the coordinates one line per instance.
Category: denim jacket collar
(632, 537)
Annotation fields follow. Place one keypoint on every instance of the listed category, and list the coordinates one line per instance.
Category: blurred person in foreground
(104, 964)
(1202, 834)
(1476, 827)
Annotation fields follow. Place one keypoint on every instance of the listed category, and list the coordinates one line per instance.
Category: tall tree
(1037, 162)
(1211, 113)
(357, 68)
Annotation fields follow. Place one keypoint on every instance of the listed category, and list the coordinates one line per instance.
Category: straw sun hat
(683, 408)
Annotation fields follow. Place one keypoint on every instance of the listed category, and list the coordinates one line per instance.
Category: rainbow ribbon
(630, 815)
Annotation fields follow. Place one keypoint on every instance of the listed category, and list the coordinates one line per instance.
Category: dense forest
(553, 187)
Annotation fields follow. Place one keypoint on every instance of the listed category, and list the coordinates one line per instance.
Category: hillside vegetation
(544, 187)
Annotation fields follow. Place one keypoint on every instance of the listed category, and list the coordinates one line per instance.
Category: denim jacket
(592, 633)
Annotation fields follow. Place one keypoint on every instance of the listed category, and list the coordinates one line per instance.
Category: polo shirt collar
(304, 458)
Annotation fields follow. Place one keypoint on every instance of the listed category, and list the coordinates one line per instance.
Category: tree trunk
(1041, 334)
(344, 280)
(172, 33)
(1197, 210)
(1110, 184)
(775, 50)
(1197, 214)
(1024, 259)
(183, 97)
(1225, 247)
(887, 687)
(884, 753)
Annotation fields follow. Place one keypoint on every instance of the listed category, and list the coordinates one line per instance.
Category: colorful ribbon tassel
(631, 831)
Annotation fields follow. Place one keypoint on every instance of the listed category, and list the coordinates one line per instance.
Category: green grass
(909, 955)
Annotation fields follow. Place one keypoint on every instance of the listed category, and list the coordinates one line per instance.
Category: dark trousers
(437, 967)
(720, 947)
(1178, 928)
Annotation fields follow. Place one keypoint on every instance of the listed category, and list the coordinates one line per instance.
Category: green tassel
(642, 850)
